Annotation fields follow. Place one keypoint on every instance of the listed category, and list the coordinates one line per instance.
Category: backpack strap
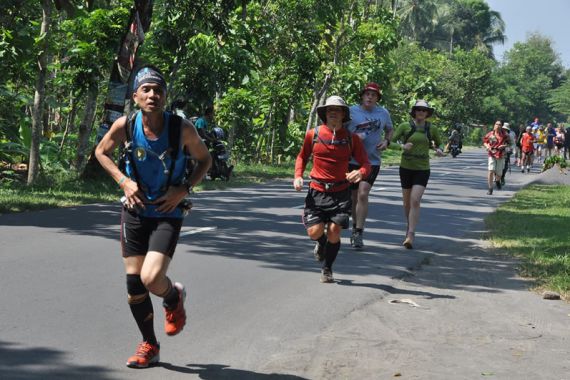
(128, 149)
(174, 137)
(413, 130)
(428, 135)
(316, 137)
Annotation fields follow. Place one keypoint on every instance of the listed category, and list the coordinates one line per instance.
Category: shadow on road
(392, 290)
(43, 363)
(219, 371)
(263, 223)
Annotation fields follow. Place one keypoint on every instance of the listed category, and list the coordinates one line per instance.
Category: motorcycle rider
(454, 139)
(204, 122)
(212, 136)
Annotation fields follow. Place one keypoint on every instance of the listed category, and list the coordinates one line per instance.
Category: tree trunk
(317, 100)
(86, 126)
(39, 97)
(70, 121)
(244, 10)
(320, 95)
(231, 140)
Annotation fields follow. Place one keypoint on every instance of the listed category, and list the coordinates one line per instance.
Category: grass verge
(534, 227)
(66, 191)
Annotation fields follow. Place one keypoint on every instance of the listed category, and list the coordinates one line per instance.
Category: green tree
(524, 81)
(418, 18)
(559, 100)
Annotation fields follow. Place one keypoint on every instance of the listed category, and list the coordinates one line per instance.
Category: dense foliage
(266, 66)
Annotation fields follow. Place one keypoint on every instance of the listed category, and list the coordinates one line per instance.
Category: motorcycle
(220, 156)
(454, 150)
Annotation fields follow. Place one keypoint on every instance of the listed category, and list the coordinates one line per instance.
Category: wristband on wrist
(121, 181)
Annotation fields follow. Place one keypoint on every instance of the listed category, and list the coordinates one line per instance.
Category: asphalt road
(256, 307)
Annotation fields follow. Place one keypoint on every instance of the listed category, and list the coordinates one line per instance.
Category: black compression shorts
(410, 177)
(140, 235)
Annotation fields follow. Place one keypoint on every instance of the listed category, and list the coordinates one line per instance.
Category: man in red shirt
(328, 202)
(496, 142)
(527, 149)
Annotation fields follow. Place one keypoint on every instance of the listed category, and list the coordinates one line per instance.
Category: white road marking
(198, 230)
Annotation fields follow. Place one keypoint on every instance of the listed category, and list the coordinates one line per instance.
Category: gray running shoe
(319, 252)
(327, 276)
(356, 240)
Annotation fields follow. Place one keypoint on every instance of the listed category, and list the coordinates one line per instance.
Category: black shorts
(410, 177)
(140, 235)
(321, 207)
(374, 170)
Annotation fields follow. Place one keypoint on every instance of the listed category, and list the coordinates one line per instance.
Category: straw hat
(422, 104)
(333, 101)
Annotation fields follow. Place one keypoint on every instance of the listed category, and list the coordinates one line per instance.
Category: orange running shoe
(176, 319)
(146, 355)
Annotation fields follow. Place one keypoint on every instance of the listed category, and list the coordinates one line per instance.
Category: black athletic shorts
(374, 170)
(409, 177)
(321, 207)
(140, 235)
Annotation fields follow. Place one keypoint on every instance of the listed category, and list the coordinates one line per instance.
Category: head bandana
(148, 75)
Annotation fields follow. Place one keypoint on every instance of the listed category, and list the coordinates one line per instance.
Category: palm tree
(448, 24)
(473, 25)
(417, 18)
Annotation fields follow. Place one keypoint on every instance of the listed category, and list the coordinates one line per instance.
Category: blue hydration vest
(154, 161)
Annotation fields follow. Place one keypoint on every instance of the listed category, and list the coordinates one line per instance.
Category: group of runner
(530, 144)
(346, 163)
(541, 142)
(345, 150)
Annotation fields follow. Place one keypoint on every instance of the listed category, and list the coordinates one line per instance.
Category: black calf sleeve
(331, 251)
(136, 289)
(171, 297)
(141, 307)
(322, 240)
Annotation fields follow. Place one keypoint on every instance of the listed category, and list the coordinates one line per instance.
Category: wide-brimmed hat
(422, 104)
(333, 101)
(506, 126)
(372, 86)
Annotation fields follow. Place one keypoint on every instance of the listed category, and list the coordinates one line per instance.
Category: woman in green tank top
(416, 139)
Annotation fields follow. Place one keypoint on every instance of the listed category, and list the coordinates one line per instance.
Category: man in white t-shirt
(372, 123)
